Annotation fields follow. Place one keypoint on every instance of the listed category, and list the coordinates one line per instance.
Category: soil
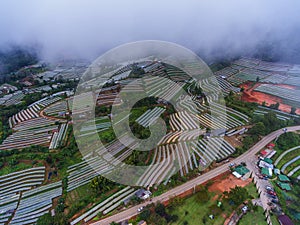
(227, 183)
(249, 95)
(233, 141)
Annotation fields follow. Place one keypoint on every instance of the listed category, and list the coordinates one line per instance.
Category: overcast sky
(87, 27)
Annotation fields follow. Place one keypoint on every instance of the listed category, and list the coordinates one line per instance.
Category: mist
(214, 29)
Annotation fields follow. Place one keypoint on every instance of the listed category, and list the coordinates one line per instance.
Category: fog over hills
(85, 29)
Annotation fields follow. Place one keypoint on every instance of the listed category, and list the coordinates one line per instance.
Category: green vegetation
(264, 125)
(107, 136)
(289, 157)
(101, 184)
(233, 101)
(13, 166)
(197, 209)
(290, 201)
(286, 141)
(237, 195)
(255, 217)
(4, 131)
(274, 220)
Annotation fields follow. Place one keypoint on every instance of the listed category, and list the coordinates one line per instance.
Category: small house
(240, 171)
(284, 220)
(143, 194)
(284, 186)
(283, 178)
(267, 172)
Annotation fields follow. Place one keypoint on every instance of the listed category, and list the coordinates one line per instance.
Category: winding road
(128, 213)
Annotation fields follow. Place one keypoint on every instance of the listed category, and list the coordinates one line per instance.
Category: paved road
(127, 214)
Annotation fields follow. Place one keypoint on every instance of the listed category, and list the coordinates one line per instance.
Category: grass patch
(192, 211)
(10, 169)
(253, 218)
(252, 190)
(274, 220)
(288, 157)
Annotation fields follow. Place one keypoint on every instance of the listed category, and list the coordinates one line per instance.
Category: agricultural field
(289, 161)
(105, 206)
(193, 143)
(255, 218)
(261, 111)
(289, 96)
(30, 128)
(197, 208)
(32, 202)
(12, 99)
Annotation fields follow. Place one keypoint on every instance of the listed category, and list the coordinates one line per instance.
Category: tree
(293, 110)
(45, 219)
(145, 214)
(237, 195)
(257, 79)
(202, 195)
(275, 106)
(258, 129)
(160, 209)
(101, 184)
(157, 219)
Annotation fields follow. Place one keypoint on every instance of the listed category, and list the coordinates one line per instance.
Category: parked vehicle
(272, 196)
(271, 192)
(275, 201)
(269, 188)
(140, 209)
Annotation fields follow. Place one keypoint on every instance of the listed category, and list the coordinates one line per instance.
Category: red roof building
(271, 145)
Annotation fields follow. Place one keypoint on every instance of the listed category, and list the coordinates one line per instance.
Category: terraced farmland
(12, 99)
(149, 116)
(12, 184)
(275, 79)
(24, 115)
(103, 161)
(162, 87)
(289, 161)
(101, 124)
(59, 136)
(288, 95)
(227, 72)
(183, 156)
(292, 80)
(31, 132)
(35, 203)
(59, 109)
(29, 128)
(106, 206)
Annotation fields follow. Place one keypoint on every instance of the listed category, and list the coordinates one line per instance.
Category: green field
(274, 220)
(253, 218)
(10, 169)
(192, 211)
(288, 157)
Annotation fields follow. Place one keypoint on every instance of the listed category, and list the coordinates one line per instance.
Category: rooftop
(241, 170)
(284, 186)
(285, 220)
(283, 178)
(265, 171)
(267, 160)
